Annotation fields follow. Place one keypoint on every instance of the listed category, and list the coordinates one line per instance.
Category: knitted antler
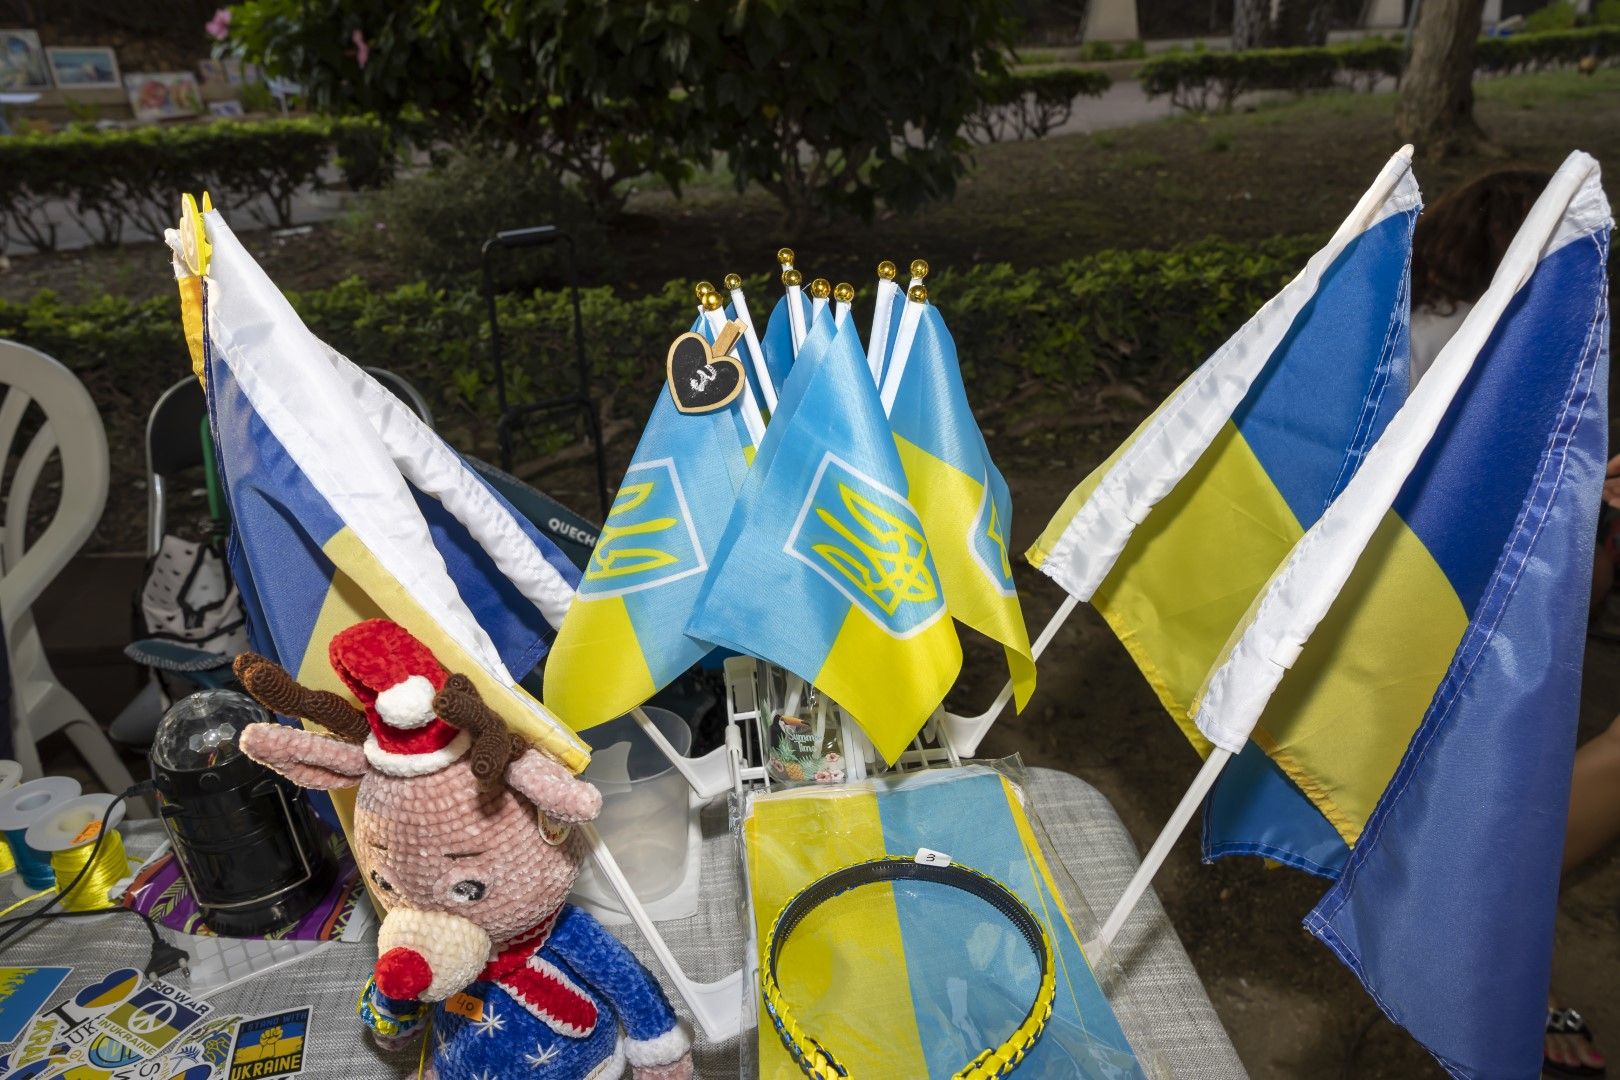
(493, 745)
(279, 692)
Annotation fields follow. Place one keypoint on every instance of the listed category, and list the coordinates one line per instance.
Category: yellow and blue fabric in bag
(624, 637)
(1190, 571)
(915, 979)
(825, 520)
(960, 496)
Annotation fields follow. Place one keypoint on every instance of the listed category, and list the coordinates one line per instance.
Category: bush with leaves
(1204, 81)
(586, 86)
(1029, 104)
(130, 179)
(1132, 314)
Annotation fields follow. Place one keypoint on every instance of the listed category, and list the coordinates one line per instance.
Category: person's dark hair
(1460, 239)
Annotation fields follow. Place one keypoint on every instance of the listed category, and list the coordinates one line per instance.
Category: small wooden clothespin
(195, 249)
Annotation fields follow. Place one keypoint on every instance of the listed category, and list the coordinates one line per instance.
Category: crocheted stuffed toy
(464, 832)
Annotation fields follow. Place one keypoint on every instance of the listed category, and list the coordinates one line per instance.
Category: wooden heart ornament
(702, 378)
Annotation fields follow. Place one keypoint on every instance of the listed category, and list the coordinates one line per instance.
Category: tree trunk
(1251, 24)
(1436, 108)
(1302, 22)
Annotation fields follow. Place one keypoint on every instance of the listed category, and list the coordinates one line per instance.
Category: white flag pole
(843, 297)
(877, 343)
(1161, 848)
(820, 291)
(910, 316)
(756, 353)
(794, 281)
(753, 419)
(965, 732)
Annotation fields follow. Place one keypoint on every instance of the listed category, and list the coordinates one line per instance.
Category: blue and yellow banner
(960, 496)
(825, 568)
(1191, 568)
(346, 507)
(624, 637)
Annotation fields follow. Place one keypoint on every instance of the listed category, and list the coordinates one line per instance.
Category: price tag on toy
(930, 857)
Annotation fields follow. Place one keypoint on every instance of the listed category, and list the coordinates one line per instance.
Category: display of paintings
(228, 70)
(76, 68)
(22, 61)
(163, 95)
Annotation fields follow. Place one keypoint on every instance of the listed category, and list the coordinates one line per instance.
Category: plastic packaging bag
(915, 978)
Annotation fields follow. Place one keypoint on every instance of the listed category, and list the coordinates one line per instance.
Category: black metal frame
(581, 400)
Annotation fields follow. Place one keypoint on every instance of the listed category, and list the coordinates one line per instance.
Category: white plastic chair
(71, 428)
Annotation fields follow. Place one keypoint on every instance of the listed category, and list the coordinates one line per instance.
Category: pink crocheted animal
(464, 832)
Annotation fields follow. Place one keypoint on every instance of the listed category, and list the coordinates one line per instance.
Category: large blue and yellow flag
(1415, 663)
(624, 637)
(826, 522)
(345, 506)
(1176, 533)
(958, 492)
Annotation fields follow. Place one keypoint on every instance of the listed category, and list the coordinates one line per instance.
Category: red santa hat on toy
(396, 677)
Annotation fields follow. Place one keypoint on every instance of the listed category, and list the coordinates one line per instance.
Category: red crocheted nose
(403, 974)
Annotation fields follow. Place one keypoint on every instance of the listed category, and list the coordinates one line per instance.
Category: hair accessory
(818, 1062)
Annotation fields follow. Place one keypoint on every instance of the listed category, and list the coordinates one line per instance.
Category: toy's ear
(553, 789)
(307, 759)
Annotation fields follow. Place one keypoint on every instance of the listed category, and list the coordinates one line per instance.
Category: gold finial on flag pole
(917, 294)
(844, 292)
(702, 289)
(785, 257)
(733, 282)
(791, 277)
(919, 268)
(820, 288)
(711, 301)
(887, 270)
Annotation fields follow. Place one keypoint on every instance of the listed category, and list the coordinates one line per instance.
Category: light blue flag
(777, 341)
(825, 519)
(624, 637)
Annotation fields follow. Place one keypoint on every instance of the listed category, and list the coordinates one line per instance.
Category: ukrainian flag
(826, 522)
(958, 492)
(1174, 535)
(624, 637)
(346, 507)
(1415, 664)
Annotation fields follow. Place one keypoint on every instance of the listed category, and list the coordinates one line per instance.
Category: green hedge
(126, 179)
(1150, 314)
(1201, 81)
(1028, 104)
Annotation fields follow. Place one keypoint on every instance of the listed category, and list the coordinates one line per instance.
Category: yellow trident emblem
(612, 559)
(889, 566)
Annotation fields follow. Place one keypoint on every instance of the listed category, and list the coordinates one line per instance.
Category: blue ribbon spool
(21, 807)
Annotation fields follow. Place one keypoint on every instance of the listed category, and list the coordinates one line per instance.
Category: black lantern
(245, 839)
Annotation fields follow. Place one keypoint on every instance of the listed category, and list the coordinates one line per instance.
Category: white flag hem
(1302, 590)
(1171, 443)
(436, 470)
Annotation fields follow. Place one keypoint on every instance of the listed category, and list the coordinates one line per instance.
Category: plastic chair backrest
(71, 429)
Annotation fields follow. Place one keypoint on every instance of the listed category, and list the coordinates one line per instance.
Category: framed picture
(22, 61)
(83, 68)
(163, 95)
(212, 72)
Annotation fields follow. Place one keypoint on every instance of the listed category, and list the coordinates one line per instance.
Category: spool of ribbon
(10, 777)
(68, 834)
(19, 809)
